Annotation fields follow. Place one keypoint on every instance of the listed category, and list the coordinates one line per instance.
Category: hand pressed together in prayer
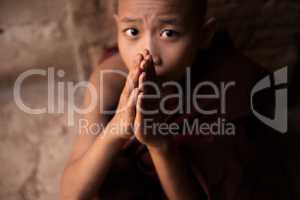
(148, 104)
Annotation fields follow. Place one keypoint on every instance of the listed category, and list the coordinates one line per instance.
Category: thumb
(132, 100)
(139, 110)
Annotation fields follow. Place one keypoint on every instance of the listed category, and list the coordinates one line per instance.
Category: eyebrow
(172, 21)
(130, 20)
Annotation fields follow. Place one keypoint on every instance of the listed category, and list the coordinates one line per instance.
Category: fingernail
(138, 58)
(146, 52)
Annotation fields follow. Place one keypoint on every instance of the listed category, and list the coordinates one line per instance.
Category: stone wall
(33, 34)
(91, 30)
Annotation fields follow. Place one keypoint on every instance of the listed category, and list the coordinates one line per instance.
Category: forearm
(174, 173)
(81, 178)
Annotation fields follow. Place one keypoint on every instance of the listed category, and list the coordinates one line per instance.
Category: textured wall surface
(33, 148)
(71, 35)
(33, 34)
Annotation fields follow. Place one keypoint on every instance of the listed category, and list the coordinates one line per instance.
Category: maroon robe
(248, 165)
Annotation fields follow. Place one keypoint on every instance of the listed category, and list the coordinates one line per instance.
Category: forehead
(178, 8)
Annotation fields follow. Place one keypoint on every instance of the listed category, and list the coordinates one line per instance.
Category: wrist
(115, 133)
(163, 146)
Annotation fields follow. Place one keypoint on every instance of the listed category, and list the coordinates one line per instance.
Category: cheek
(127, 52)
(178, 56)
(184, 51)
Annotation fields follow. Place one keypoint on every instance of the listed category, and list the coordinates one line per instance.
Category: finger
(139, 109)
(146, 52)
(132, 101)
(149, 76)
(147, 65)
(132, 80)
(141, 84)
(143, 65)
(150, 69)
(136, 71)
(137, 60)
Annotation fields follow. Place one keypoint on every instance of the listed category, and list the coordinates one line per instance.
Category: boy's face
(165, 27)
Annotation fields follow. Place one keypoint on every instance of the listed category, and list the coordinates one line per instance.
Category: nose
(153, 47)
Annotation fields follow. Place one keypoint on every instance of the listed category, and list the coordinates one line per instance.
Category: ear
(116, 18)
(207, 32)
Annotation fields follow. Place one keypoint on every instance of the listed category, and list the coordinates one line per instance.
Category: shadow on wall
(293, 137)
(294, 78)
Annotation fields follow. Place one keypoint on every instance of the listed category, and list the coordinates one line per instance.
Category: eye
(131, 32)
(169, 34)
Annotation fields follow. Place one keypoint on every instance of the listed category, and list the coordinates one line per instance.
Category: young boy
(157, 41)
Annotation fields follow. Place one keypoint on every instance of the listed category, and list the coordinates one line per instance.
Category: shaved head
(196, 9)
